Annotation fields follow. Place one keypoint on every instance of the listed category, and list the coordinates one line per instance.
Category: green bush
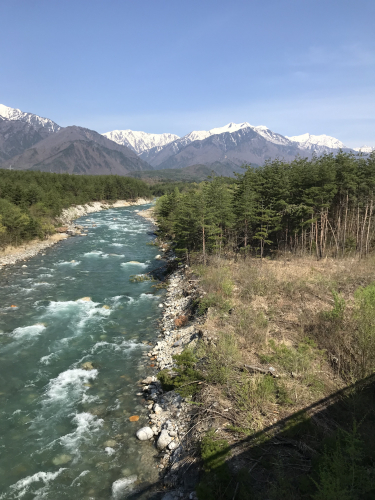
(337, 312)
(342, 473)
(186, 374)
(213, 452)
(292, 359)
(365, 317)
(222, 359)
(216, 479)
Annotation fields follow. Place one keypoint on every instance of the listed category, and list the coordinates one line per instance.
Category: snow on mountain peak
(365, 149)
(309, 141)
(140, 141)
(35, 120)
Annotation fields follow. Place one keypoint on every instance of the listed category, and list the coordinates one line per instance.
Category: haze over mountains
(28, 141)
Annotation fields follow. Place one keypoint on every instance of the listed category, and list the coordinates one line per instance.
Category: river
(64, 430)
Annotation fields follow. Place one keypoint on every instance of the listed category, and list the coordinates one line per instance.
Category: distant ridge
(36, 121)
(140, 141)
(233, 144)
(77, 150)
(27, 141)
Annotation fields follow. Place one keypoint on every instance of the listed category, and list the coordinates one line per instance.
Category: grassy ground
(287, 353)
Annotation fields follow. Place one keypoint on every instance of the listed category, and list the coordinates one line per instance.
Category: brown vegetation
(286, 338)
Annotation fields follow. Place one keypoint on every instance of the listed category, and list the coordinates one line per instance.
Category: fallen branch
(221, 415)
(199, 382)
(267, 371)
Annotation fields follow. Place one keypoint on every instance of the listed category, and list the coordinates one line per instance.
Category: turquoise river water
(65, 431)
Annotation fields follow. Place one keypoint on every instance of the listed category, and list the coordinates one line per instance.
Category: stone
(88, 365)
(110, 442)
(86, 299)
(164, 440)
(157, 409)
(61, 459)
(158, 257)
(173, 445)
(134, 418)
(144, 433)
(169, 496)
(122, 486)
(148, 380)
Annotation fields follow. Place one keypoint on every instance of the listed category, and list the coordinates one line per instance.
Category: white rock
(122, 486)
(172, 445)
(144, 433)
(157, 408)
(164, 440)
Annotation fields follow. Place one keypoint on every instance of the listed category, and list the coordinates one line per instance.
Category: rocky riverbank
(170, 414)
(11, 255)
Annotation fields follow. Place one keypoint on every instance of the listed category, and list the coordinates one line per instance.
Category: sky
(295, 66)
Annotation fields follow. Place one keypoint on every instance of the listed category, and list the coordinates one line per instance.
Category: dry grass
(272, 313)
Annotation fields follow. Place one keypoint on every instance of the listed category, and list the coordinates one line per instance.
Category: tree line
(322, 206)
(29, 201)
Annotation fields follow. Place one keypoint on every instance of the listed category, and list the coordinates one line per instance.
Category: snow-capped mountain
(36, 121)
(199, 135)
(365, 149)
(236, 144)
(140, 141)
(309, 141)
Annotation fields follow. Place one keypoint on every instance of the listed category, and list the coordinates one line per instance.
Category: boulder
(157, 408)
(88, 365)
(144, 434)
(170, 496)
(164, 440)
(122, 486)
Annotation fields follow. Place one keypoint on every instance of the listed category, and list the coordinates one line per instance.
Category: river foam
(22, 487)
(69, 386)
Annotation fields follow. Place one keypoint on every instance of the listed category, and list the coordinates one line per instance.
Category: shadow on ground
(324, 452)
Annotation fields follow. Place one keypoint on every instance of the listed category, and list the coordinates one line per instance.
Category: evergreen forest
(323, 206)
(29, 201)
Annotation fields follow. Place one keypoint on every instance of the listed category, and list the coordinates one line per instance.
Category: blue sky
(176, 66)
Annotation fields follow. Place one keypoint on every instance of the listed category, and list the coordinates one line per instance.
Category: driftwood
(267, 371)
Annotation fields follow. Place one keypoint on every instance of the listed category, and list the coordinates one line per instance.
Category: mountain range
(28, 141)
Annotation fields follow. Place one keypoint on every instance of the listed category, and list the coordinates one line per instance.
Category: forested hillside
(30, 200)
(282, 374)
(322, 206)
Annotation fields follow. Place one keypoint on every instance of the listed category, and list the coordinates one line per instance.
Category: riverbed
(73, 334)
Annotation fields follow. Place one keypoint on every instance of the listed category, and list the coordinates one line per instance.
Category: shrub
(213, 452)
(341, 471)
(337, 313)
(222, 359)
(186, 374)
(180, 321)
(365, 317)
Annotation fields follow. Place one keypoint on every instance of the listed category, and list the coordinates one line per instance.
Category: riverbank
(170, 414)
(271, 341)
(11, 255)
